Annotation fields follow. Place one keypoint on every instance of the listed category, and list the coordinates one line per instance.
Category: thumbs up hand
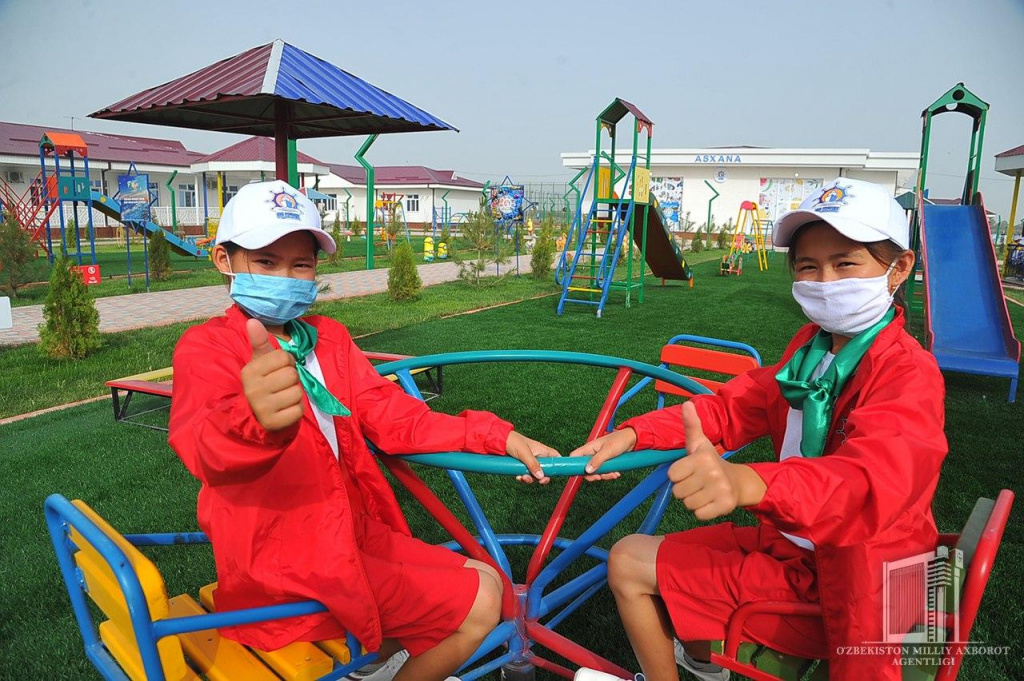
(706, 483)
(270, 381)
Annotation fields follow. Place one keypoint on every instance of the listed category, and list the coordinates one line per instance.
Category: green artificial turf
(131, 477)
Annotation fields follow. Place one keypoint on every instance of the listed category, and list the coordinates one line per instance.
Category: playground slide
(111, 208)
(663, 254)
(969, 327)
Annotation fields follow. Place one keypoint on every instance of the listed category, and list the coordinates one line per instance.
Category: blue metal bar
(46, 203)
(552, 356)
(657, 510)
(88, 208)
(487, 537)
(560, 543)
(54, 512)
(604, 524)
(595, 576)
(496, 663)
(231, 618)
(206, 209)
(553, 467)
(74, 209)
(734, 345)
(408, 383)
(167, 538)
(626, 397)
(504, 632)
(60, 203)
(61, 512)
(572, 607)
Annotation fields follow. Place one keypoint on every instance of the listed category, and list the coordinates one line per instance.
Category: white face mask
(845, 306)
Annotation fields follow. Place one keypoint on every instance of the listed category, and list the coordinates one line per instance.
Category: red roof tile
(1016, 151)
(403, 175)
(252, 149)
(17, 139)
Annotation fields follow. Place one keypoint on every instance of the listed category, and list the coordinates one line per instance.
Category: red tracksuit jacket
(866, 500)
(274, 503)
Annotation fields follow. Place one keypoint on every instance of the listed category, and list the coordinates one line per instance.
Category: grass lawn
(1014, 293)
(189, 272)
(29, 382)
(132, 478)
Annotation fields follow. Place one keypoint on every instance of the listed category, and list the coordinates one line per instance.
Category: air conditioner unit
(14, 176)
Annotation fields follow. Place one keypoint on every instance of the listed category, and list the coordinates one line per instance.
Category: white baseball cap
(263, 212)
(859, 210)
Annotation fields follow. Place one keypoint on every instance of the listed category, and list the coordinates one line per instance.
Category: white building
(109, 156)
(421, 191)
(685, 180)
(197, 178)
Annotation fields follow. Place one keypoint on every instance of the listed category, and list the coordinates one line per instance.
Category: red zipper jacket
(274, 503)
(866, 500)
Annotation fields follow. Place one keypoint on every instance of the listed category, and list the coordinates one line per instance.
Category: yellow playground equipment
(750, 218)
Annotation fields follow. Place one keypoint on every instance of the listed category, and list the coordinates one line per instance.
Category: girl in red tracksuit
(855, 413)
(271, 413)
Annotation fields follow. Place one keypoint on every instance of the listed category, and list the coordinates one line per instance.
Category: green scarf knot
(301, 345)
(817, 398)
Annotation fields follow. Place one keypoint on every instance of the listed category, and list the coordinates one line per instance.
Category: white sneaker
(586, 674)
(705, 671)
(380, 671)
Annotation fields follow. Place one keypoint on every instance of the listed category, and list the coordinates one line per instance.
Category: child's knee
(486, 611)
(631, 561)
(488, 572)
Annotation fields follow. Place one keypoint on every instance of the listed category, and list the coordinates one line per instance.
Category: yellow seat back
(103, 588)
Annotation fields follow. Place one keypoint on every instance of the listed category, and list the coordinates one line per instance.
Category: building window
(229, 191)
(412, 203)
(97, 186)
(154, 192)
(35, 193)
(187, 195)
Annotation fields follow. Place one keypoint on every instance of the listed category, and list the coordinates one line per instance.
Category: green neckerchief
(817, 398)
(303, 340)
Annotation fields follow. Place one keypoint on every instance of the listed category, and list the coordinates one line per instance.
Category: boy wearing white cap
(855, 411)
(271, 413)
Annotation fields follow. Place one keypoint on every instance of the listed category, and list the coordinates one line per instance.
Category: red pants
(423, 592)
(706, 573)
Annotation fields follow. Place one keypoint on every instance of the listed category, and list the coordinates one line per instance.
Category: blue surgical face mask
(272, 300)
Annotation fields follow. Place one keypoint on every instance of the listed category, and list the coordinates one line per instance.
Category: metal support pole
(369, 196)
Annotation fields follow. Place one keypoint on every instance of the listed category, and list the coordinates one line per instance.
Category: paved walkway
(139, 310)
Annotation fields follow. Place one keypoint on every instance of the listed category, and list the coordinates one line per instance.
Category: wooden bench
(159, 383)
(146, 635)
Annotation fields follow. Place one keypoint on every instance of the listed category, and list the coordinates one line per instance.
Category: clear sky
(523, 81)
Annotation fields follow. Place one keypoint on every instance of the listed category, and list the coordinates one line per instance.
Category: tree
(19, 263)
(722, 238)
(697, 245)
(159, 256)
(393, 228)
(403, 278)
(336, 235)
(356, 227)
(481, 239)
(71, 326)
(543, 256)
